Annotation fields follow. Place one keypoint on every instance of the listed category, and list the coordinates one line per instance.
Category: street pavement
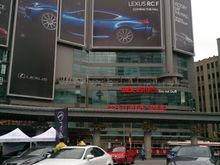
(152, 161)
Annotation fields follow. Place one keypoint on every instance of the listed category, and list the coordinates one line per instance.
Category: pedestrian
(60, 145)
(142, 153)
(81, 142)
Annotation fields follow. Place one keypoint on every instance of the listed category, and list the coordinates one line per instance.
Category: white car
(79, 155)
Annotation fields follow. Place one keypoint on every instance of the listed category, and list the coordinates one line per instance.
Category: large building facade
(208, 87)
(85, 55)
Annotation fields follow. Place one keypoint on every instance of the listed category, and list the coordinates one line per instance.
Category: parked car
(106, 24)
(122, 155)
(29, 156)
(172, 153)
(79, 155)
(194, 155)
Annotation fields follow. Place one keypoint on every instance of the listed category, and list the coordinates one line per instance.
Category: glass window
(69, 153)
(97, 152)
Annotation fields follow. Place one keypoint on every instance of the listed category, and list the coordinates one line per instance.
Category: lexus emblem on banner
(61, 123)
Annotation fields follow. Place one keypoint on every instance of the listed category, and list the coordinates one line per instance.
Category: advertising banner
(72, 22)
(61, 123)
(182, 23)
(33, 49)
(127, 24)
(5, 18)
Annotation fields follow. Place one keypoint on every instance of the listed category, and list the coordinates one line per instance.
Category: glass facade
(103, 76)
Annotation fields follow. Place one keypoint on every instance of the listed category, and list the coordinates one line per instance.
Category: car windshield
(175, 149)
(194, 151)
(32, 152)
(36, 152)
(69, 153)
(118, 149)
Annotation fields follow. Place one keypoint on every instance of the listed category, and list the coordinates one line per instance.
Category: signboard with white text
(127, 24)
(183, 30)
(33, 49)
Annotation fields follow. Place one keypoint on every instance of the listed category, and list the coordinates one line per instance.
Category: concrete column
(168, 36)
(194, 139)
(147, 144)
(96, 137)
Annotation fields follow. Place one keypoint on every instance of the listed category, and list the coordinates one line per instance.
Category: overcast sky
(206, 27)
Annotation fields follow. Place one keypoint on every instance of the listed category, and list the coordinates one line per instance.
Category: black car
(29, 157)
(194, 155)
(172, 153)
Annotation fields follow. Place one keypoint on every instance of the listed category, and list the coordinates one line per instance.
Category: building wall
(208, 88)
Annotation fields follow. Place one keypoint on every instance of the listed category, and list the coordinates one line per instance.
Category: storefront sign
(136, 107)
(146, 90)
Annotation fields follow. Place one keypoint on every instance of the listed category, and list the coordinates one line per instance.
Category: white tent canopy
(49, 135)
(15, 136)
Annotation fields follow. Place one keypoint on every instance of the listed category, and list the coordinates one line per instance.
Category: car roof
(81, 146)
(196, 145)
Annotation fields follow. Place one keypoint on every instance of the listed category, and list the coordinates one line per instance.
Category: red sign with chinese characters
(139, 90)
(137, 107)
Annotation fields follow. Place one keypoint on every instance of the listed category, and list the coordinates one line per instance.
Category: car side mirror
(48, 155)
(88, 157)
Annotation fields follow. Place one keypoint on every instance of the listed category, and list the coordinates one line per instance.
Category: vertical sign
(61, 123)
(182, 23)
(72, 22)
(33, 49)
(127, 24)
(5, 19)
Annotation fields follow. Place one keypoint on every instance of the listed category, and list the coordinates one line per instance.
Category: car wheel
(124, 35)
(48, 20)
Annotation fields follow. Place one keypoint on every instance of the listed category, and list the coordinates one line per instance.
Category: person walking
(142, 153)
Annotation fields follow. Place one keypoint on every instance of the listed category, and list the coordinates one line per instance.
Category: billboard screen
(33, 49)
(182, 23)
(127, 24)
(5, 18)
(72, 22)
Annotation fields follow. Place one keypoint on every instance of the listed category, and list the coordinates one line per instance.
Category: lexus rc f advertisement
(72, 22)
(127, 24)
(5, 17)
(33, 49)
(183, 31)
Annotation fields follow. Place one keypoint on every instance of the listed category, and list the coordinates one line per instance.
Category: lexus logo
(31, 77)
(21, 75)
(60, 116)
